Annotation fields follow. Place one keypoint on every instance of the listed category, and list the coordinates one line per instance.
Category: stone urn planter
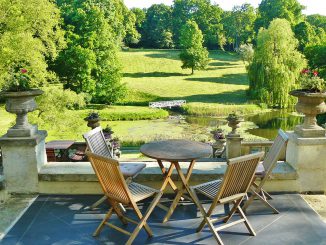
(310, 104)
(21, 103)
(234, 123)
(93, 120)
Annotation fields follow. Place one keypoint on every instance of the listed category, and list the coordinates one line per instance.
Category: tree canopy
(193, 55)
(30, 35)
(156, 28)
(276, 65)
(268, 10)
(90, 63)
(239, 25)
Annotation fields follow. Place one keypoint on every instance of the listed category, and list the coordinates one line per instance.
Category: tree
(193, 54)
(89, 63)
(239, 25)
(283, 9)
(305, 34)
(276, 65)
(207, 16)
(317, 20)
(316, 56)
(30, 36)
(140, 15)
(157, 27)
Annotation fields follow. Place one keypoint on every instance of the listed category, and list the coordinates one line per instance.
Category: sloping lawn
(157, 75)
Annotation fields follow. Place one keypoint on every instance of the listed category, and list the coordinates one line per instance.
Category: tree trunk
(192, 70)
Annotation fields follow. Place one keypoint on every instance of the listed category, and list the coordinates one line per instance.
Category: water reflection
(268, 123)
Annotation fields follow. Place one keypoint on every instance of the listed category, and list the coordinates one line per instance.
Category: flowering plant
(218, 134)
(19, 81)
(310, 81)
(92, 116)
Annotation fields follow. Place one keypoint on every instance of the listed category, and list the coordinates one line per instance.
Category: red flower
(305, 71)
(315, 73)
(23, 71)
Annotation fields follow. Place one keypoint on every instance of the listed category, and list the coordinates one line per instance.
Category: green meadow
(155, 75)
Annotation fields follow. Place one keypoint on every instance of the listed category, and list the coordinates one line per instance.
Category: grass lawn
(157, 75)
(153, 75)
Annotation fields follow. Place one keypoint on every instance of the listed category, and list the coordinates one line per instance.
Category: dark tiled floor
(63, 220)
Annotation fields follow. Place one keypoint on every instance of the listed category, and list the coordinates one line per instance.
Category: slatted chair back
(110, 177)
(238, 176)
(96, 142)
(275, 152)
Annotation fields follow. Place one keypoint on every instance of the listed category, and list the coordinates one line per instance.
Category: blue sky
(312, 6)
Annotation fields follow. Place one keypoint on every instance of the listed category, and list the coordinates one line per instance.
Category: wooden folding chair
(118, 191)
(97, 144)
(264, 171)
(232, 188)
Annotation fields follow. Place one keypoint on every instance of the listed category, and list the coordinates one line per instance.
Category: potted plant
(93, 120)
(107, 131)
(233, 122)
(311, 102)
(219, 144)
(20, 100)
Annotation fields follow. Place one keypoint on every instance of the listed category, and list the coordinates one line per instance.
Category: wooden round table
(175, 151)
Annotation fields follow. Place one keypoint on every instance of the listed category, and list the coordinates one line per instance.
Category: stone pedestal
(308, 157)
(22, 159)
(233, 146)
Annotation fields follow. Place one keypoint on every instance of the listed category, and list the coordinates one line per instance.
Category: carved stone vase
(309, 104)
(93, 123)
(21, 103)
(234, 124)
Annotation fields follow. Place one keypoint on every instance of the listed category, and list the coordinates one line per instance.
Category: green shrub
(124, 113)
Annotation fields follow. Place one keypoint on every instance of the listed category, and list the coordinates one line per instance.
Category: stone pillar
(308, 157)
(233, 146)
(22, 159)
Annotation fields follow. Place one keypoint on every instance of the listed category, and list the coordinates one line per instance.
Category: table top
(59, 144)
(176, 150)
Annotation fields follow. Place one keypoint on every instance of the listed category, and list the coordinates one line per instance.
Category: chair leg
(98, 202)
(267, 204)
(233, 210)
(206, 219)
(249, 227)
(143, 219)
(106, 218)
(249, 201)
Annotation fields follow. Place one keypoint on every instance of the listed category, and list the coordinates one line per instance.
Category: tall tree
(157, 31)
(316, 55)
(276, 65)
(193, 55)
(317, 20)
(30, 36)
(239, 25)
(305, 33)
(90, 63)
(268, 10)
(207, 16)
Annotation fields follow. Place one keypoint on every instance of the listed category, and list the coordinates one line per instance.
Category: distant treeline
(159, 26)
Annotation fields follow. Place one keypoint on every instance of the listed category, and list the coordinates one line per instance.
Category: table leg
(170, 181)
(185, 181)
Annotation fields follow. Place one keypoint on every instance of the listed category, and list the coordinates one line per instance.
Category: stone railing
(248, 147)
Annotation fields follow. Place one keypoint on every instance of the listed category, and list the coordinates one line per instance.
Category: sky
(312, 6)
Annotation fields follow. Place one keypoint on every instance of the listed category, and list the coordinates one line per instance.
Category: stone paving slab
(67, 220)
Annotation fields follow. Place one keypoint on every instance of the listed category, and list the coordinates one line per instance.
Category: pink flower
(315, 73)
(23, 71)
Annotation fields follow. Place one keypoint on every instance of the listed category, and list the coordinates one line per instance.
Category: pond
(267, 124)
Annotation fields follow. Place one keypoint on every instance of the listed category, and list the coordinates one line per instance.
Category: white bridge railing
(163, 104)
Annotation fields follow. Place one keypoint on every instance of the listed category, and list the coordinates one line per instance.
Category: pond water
(267, 123)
